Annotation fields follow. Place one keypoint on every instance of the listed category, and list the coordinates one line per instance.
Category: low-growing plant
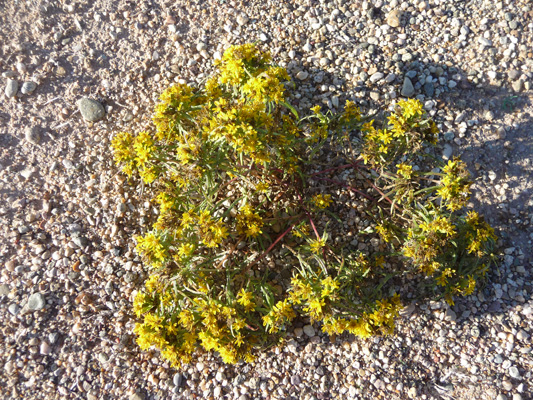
(240, 247)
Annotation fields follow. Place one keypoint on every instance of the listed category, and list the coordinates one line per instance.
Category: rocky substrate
(74, 73)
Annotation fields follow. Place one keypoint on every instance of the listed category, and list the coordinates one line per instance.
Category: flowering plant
(240, 247)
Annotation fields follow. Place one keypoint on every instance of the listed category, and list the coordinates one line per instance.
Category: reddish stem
(270, 247)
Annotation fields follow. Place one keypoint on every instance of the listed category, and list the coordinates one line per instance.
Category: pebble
(11, 88)
(45, 348)
(407, 88)
(447, 152)
(31, 134)
(376, 77)
(302, 75)
(178, 379)
(393, 18)
(90, 109)
(242, 19)
(309, 330)
(36, 302)
(4, 290)
(28, 87)
(514, 373)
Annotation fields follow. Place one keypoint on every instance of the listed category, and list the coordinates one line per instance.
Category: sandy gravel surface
(67, 266)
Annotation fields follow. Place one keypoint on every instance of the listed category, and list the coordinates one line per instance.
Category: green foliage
(230, 165)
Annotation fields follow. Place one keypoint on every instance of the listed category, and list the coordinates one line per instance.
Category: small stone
(379, 384)
(517, 86)
(13, 309)
(31, 134)
(447, 152)
(11, 88)
(514, 373)
(295, 380)
(393, 18)
(517, 396)
(450, 315)
(28, 87)
(522, 335)
(4, 290)
(242, 19)
(376, 77)
(91, 110)
(507, 385)
(390, 77)
(45, 348)
(178, 379)
(103, 358)
(452, 84)
(408, 310)
(429, 89)
(501, 397)
(302, 75)
(137, 396)
(36, 302)
(309, 330)
(407, 88)
(449, 136)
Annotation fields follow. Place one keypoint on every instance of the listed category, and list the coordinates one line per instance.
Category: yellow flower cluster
(322, 201)
(249, 223)
(409, 129)
(153, 248)
(454, 186)
(134, 153)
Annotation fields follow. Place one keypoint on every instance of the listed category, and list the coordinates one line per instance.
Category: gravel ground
(68, 270)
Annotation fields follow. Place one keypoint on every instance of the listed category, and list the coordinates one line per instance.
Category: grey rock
(11, 88)
(407, 89)
(36, 302)
(447, 152)
(302, 75)
(4, 290)
(295, 380)
(450, 315)
(31, 134)
(513, 24)
(497, 359)
(449, 136)
(390, 77)
(411, 74)
(137, 396)
(514, 74)
(309, 330)
(53, 337)
(376, 77)
(178, 379)
(13, 309)
(429, 89)
(90, 109)
(28, 87)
